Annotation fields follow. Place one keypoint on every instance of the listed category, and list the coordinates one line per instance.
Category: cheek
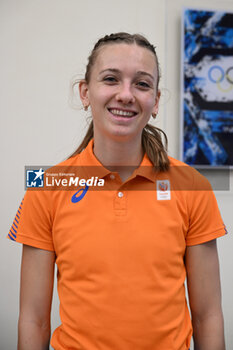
(99, 98)
(147, 100)
(149, 104)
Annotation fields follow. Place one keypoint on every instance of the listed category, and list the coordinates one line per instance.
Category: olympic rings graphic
(216, 75)
(228, 76)
(224, 90)
(221, 76)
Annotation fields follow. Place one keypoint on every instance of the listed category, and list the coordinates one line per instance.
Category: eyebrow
(115, 70)
(145, 73)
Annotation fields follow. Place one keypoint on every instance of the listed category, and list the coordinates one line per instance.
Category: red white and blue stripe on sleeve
(226, 232)
(14, 228)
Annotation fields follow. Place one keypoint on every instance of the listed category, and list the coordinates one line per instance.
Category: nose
(125, 94)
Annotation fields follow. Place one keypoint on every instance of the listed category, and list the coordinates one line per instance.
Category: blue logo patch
(79, 194)
(35, 178)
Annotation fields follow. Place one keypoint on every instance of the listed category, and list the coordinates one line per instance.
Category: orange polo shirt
(120, 252)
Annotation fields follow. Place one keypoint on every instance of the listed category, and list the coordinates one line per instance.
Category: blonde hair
(152, 141)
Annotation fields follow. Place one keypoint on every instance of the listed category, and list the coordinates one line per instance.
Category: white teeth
(123, 113)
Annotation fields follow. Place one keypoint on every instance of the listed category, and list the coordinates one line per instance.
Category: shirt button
(120, 194)
(112, 177)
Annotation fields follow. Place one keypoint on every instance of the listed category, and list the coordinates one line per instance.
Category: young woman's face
(122, 91)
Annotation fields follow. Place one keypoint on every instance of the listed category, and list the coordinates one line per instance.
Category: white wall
(44, 43)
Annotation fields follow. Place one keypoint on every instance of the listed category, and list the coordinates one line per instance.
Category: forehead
(125, 57)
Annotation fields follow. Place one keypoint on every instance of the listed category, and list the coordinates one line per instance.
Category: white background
(44, 43)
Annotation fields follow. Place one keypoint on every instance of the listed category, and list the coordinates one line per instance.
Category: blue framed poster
(207, 88)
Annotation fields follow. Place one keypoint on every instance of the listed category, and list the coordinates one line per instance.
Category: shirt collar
(93, 167)
(91, 164)
(146, 169)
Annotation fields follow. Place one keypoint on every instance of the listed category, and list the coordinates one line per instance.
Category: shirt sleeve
(205, 221)
(32, 224)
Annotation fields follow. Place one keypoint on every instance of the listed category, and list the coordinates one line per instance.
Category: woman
(122, 253)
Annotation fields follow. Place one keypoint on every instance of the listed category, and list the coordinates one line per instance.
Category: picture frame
(207, 88)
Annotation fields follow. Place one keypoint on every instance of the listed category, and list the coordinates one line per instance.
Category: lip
(122, 117)
(122, 109)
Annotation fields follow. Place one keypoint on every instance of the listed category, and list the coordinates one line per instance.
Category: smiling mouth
(122, 113)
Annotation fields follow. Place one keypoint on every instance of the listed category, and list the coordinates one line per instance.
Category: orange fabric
(120, 260)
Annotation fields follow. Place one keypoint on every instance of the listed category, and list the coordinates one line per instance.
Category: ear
(156, 105)
(84, 93)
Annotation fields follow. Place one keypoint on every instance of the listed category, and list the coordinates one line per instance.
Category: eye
(110, 79)
(143, 85)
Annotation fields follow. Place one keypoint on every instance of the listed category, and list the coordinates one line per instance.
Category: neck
(122, 157)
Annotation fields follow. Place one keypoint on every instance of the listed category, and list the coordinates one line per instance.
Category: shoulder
(186, 177)
(71, 161)
(67, 166)
(84, 157)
